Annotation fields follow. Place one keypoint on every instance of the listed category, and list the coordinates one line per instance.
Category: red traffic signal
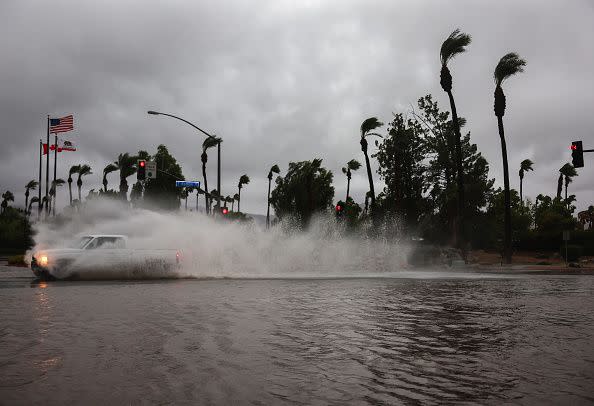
(577, 154)
(339, 207)
(141, 170)
(224, 210)
(142, 164)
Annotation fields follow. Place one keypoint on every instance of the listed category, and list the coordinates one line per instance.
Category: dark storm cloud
(286, 80)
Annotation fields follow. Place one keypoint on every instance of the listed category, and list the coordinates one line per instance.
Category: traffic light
(141, 170)
(339, 209)
(577, 154)
(224, 210)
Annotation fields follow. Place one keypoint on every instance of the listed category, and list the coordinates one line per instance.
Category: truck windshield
(81, 242)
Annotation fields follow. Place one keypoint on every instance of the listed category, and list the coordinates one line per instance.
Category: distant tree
(243, 180)
(83, 171)
(52, 192)
(6, 198)
(350, 167)
(161, 192)
(34, 200)
(508, 65)
(455, 44)
(235, 199)
(568, 172)
(366, 130)
(126, 164)
(304, 190)
(73, 169)
(31, 185)
(273, 169)
(400, 157)
(208, 143)
(525, 166)
(107, 170)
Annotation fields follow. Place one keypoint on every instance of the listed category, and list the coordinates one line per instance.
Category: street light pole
(157, 113)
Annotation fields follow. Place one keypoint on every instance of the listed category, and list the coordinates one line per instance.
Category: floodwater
(418, 339)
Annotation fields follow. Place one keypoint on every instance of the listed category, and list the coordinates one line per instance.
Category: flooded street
(421, 339)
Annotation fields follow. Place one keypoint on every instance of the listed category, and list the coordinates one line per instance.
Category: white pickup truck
(104, 257)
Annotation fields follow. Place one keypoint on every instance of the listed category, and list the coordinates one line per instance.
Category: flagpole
(55, 165)
(47, 167)
(39, 188)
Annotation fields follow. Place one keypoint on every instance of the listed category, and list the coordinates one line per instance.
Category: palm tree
(126, 165)
(44, 204)
(208, 143)
(107, 170)
(455, 44)
(52, 192)
(235, 198)
(243, 180)
(212, 196)
(273, 169)
(31, 185)
(34, 200)
(525, 166)
(352, 165)
(567, 171)
(508, 66)
(6, 197)
(73, 169)
(366, 127)
(83, 171)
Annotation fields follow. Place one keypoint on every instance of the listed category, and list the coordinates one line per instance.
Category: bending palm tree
(235, 198)
(32, 185)
(352, 165)
(567, 171)
(525, 166)
(6, 197)
(34, 200)
(73, 169)
(243, 180)
(126, 164)
(273, 169)
(455, 44)
(208, 143)
(107, 170)
(508, 66)
(366, 127)
(52, 201)
(83, 171)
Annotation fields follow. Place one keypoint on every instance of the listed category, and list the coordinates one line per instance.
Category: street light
(157, 113)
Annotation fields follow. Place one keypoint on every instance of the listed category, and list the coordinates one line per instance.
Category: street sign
(151, 169)
(187, 183)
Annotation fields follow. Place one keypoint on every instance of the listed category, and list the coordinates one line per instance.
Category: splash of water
(220, 249)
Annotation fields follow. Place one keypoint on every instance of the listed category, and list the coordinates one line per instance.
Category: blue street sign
(187, 183)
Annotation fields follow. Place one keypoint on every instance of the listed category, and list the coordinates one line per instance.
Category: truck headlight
(43, 260)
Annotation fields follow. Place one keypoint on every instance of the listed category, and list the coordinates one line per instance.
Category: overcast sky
(285, 81)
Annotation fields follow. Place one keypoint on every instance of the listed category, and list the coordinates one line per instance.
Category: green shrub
(574, 252)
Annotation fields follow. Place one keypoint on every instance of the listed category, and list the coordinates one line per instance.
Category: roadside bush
(15, 231)
(574, 252)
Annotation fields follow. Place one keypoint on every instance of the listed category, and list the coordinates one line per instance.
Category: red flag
(63, 145)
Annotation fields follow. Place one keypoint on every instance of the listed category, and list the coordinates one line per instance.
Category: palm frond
(370, 124)
(353, 164)
(32, 185)
(508, 65)
(210, 142)
(275, 169)
(73, 169)
(109, 168)
(244, 180)
(455, 44)
(526, 165)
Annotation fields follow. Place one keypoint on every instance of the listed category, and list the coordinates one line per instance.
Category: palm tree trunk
(268, 204)
(369, 175)
(507, 245)
(233, 205)
(460, 170)
(348, 189)
(205, 188)
(566, 183)
(79, 195)
(239, 200)
(104, 186)
(26, 201)
(186, 202)
(70, 190)
(521, 197)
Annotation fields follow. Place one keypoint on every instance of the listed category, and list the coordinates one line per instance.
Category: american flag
(61, 125)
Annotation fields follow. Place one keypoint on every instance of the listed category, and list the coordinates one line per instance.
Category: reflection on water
(361, 341)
